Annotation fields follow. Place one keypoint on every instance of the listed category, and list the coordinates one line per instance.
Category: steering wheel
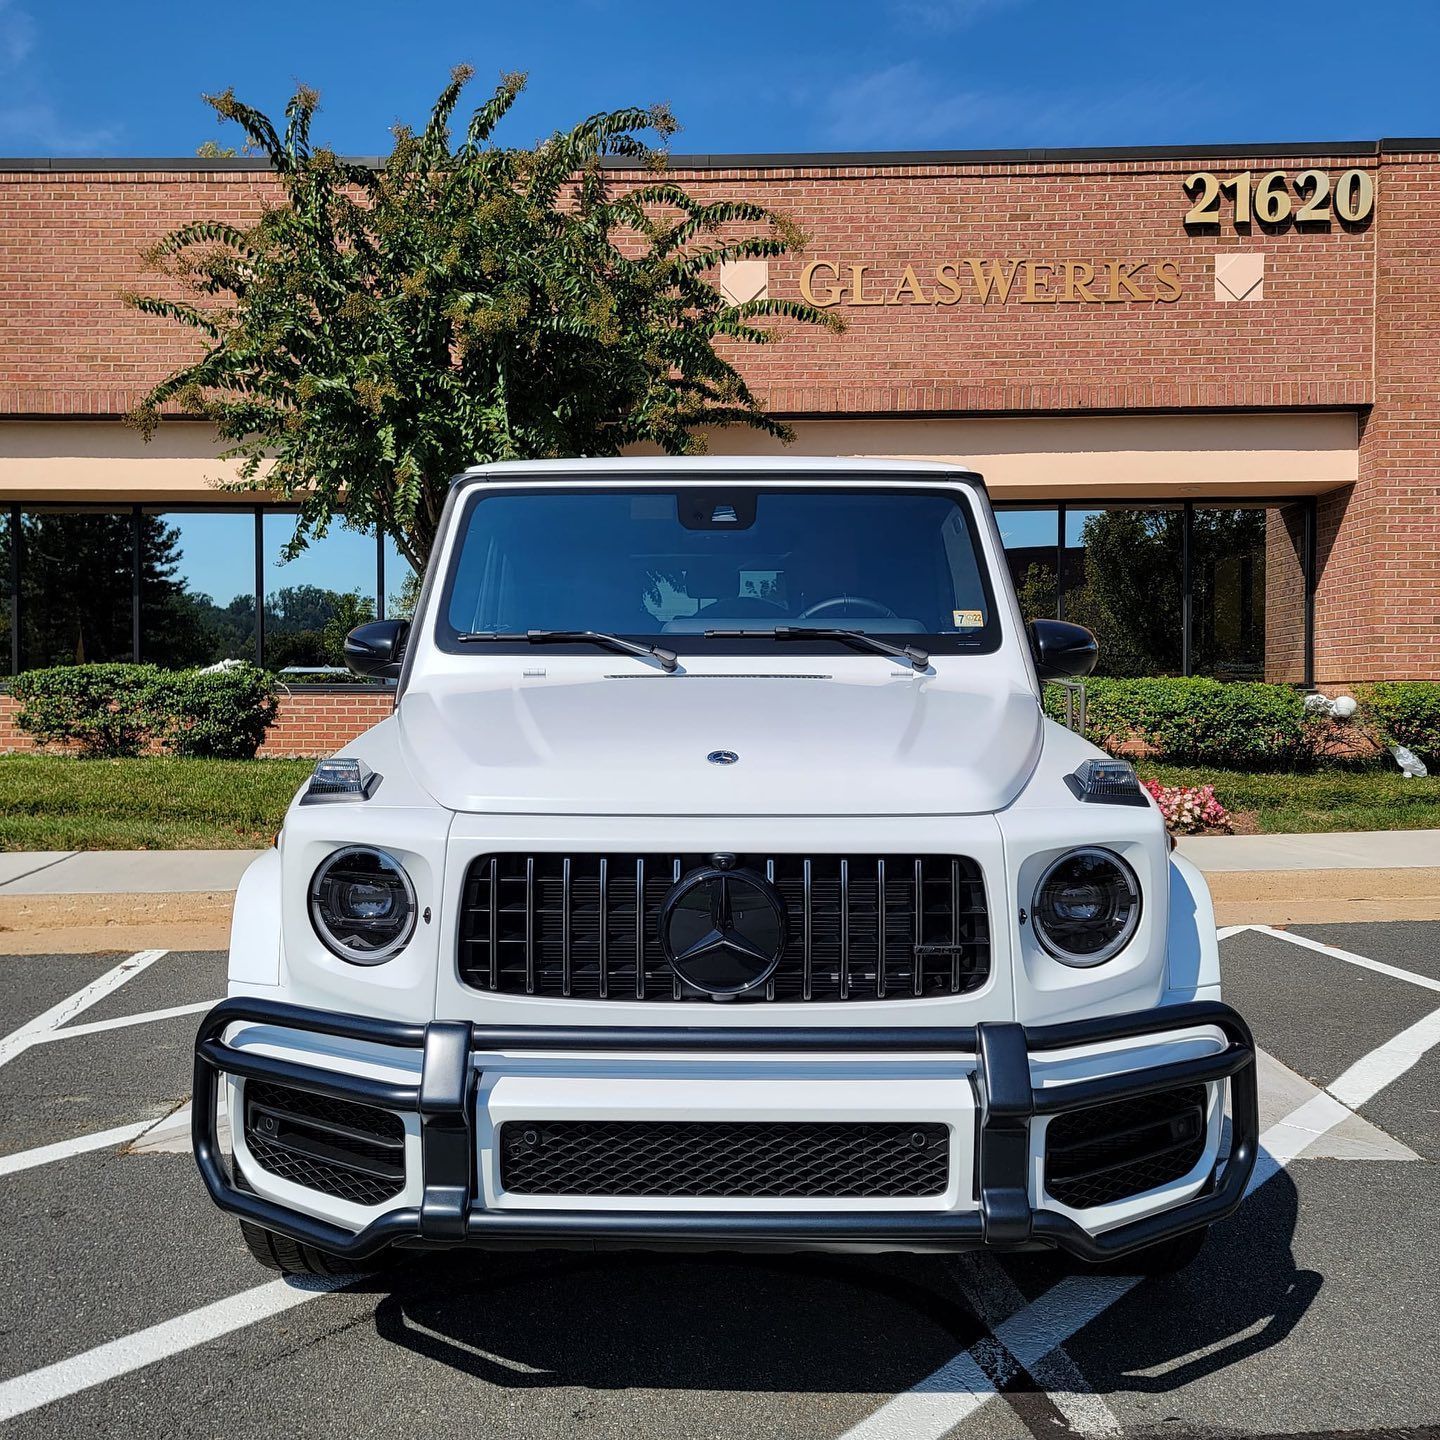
(844, 603)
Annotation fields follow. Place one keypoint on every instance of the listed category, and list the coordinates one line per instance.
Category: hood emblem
(722, 757)
(723, 930)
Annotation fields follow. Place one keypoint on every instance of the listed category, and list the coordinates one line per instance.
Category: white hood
(854, 743)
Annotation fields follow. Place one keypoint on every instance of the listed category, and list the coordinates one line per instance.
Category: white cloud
(17, 36)
(29, 119)
(902, 107)
(949, 14)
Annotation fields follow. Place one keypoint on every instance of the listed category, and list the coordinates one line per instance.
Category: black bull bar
(449, 1212)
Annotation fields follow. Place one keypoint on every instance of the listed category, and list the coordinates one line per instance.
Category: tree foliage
(380, 329)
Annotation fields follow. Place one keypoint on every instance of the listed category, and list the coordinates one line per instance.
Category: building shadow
(827, 1324)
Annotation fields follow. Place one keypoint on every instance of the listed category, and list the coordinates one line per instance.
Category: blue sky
(81, 78)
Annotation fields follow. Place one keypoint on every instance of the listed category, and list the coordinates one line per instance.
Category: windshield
(654, 564)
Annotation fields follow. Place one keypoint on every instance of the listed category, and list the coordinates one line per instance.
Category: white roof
(697, 466)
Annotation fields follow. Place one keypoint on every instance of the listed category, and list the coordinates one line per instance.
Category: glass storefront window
(314, 600)
(1032, 547)
(402, 584)
(76, 586)
(1248, 567)
(1122, 576)
(197, 587)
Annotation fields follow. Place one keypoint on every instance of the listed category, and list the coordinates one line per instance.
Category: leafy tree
(381, 329)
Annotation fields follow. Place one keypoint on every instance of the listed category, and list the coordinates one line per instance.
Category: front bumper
(1007, 1102)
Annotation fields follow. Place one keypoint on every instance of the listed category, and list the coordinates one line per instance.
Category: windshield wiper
(917, 657)
(668, 659)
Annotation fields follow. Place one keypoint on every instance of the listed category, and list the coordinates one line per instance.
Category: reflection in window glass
(1121, 576)
(314, 600)
(1248, 592)
(402, 584)
(197, 587)
(1032, 542)
(77, 605)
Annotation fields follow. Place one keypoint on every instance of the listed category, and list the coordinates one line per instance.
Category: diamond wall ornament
(741, 281)
(1239, 276)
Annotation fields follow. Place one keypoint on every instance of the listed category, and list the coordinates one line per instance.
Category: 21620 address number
(1269, 200)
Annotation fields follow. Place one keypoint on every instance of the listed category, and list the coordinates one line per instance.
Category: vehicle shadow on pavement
(620, 1320)
(1244, 1294)
(830, 1324)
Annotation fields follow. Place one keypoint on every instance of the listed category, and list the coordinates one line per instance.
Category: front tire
(289, 1257)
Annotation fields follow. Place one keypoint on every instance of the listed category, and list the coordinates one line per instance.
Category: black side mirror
(377, 649)
(1062, 651)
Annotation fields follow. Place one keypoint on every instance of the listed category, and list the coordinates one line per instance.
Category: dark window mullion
(1187, 577)
(259, 586)
(15, 545)
(135, 597)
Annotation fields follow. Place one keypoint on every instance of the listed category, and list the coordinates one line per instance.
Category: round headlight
(1086, 906)
(362, 905)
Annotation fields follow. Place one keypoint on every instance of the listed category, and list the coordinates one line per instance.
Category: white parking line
(995, 1297)
(64, 1149)
(133, 1352)
(1373, 1072)
(144, 1017)
(30, 1033)
(1349, 956)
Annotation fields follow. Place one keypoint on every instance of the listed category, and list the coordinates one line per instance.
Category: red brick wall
(1377, 613)
(73, 243)
(308, 723)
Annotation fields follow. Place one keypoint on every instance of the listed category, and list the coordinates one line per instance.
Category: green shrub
(114, 710)
(1197, 722)
(1405, 712)
(213, 714)
(99, 710)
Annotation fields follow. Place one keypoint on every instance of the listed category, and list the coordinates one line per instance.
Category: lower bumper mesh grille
(1110, 1152)
(353, 1152)
(734, 1160)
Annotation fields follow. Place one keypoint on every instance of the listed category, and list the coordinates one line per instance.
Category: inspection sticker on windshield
(969, 619)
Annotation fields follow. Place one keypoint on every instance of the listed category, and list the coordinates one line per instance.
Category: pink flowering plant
(1189, 809)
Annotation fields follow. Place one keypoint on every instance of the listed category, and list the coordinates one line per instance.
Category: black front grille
(733, 1160)
(353, 1152)
(861, 927)
(1110, 1152)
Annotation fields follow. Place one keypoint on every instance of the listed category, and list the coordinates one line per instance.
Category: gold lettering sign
(991, 280)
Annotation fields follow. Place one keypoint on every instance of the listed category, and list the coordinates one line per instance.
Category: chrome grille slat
(861, 927)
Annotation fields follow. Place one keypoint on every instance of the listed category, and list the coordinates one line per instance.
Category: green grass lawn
(50, 802)
(1373, 798)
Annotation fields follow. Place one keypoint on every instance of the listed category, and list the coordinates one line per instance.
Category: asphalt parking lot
(127, 1302)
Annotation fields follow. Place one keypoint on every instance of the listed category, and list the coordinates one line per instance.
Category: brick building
(1202, 384)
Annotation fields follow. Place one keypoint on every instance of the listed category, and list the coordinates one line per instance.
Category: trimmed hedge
(1405, 712)
(118, 710)
(94, 709)
(1238, 725)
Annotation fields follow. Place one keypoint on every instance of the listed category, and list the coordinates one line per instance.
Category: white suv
(719, 882)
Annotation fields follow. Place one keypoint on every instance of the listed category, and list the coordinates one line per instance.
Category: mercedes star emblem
(723, 930)
(722, 757)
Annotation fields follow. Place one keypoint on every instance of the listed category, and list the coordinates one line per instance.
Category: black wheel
(289, 1257)
(1166, 1258)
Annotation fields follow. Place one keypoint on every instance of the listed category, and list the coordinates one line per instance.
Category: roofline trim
(819, 160)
